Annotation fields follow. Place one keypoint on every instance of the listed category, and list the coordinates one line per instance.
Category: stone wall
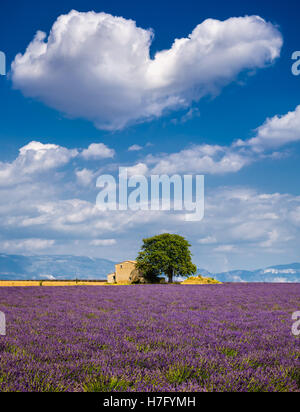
(123, 271)
(111, 278)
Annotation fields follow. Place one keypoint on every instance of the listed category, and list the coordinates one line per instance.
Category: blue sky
(252, 190)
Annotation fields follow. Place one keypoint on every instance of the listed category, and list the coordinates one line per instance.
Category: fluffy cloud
(140, 169)
(134, 148)
(215, 159)
(98, 67)
(57, 215)
(240, 225)
(97, 151)
(84, 176)
(208, 159)
(34, 158)
(275, 132)
(27, 245)
(245, 218)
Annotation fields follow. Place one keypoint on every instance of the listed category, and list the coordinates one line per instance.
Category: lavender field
(150, 338)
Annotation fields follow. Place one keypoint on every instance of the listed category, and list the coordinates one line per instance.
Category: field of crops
(150, 338)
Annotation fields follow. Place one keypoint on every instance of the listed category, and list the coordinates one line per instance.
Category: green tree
(165, 254)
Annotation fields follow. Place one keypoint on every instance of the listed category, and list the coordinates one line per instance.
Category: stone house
(123, 272)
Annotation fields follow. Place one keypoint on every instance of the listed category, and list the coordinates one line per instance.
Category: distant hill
(277, 274)
(21, 267)
(53, 267)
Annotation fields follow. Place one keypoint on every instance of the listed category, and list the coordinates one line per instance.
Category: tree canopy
(167, 254)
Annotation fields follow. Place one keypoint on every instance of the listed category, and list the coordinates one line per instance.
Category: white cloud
(212, 159)
(84, 176)
(276, 132)
(98, 67)
(140, 169)
(295, 215)
(27, 245)
(224, 248)
(215, 159)
(207, 240)
(103, 242)
(190, 114)
(97, 151)
(272, 238)
(243, 220)
(135, 148)
(34, 158)
(241, 227)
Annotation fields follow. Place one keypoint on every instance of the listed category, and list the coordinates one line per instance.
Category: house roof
(127, 261)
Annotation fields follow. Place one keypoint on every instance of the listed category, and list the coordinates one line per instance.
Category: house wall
(111, 278)
(123, 271)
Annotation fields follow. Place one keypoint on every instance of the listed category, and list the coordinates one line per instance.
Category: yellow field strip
(9, 283)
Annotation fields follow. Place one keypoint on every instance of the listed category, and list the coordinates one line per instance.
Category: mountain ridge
(38, 267)
(289, 273)
(22, 267)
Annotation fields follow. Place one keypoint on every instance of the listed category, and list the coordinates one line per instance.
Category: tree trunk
(170, 277)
